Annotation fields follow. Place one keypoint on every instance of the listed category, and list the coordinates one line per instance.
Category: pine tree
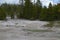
(39, 7)
(27, 9)
(2, 13)
(43, 14)
(50, 13)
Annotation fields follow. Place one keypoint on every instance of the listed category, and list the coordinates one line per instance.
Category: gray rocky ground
(17, 30)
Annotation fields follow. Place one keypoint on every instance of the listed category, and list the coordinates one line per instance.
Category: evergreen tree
(39, 8)
(50, 13)
(43, 14)
(28, 9)
(2, 13)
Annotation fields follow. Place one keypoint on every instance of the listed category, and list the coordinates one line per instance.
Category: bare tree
(21, 2)
(59, 1)
(34, 1)
(22, 6)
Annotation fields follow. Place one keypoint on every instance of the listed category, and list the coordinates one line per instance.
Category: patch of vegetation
(38, 30)
(50, 24)
(58, 22)
(27, 10)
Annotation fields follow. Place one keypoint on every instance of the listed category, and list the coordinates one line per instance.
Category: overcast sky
(44, 2)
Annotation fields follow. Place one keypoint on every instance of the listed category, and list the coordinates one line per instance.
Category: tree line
(31, 11)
